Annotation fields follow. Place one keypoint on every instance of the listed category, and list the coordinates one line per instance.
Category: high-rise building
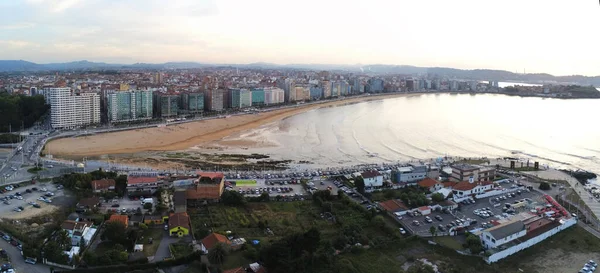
(258, 96)
(376, 85)
(69, 110)
(240, 98)
(326, 85)
(411, 85)
(192, 103)
(213, 99)
(274, 95)
(166, 105)
(158, 78)
(129, 106)
(316, 92)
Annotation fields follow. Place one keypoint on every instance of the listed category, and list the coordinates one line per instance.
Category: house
(464, 189)
(103, 185)
(208, 189)
(393, 206)
(142, 182)
(424, 210)
(135, 220)
(464, 172)
(179, 224)
(154, 220)
(409, 174)
(448, 204)
(211, 240)
(501, 234)
(88, 203)
(430, 184)
(78, 230)
(180, 201)
(372, 179)
(119, 218)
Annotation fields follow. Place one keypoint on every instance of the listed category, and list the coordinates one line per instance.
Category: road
(18, 262)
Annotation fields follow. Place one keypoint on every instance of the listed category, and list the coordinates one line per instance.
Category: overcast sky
(554, 36)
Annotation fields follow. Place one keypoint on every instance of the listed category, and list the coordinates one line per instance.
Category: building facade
(129, 106)
(192, 103)
(214, 100)
(274, 95)
(258, 97)
(69, 110)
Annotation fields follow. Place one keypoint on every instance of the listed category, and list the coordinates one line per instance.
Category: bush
(544, 186)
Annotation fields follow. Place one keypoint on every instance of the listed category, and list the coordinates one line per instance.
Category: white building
(274, 95)
(502, 234)
(372, 179)
(68, 110)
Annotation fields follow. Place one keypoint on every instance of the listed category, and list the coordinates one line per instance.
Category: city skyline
(465, 34)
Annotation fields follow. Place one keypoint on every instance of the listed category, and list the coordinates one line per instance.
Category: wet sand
(182, 136)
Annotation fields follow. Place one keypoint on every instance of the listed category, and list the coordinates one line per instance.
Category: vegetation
(35, 170)
(412, 197)
(473, 243)
(359, 182)
(581, 176)
(218, 253)
(544, 186)
(179, 250)
(82, 183)
(233, 198)
(18, 110)
(9, 138)
(437, 197)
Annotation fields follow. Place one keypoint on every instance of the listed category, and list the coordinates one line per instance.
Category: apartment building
(125, 106)
(70, 110)
(466, 172)
(274, 95)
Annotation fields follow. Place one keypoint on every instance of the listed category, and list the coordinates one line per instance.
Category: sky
(536, 36)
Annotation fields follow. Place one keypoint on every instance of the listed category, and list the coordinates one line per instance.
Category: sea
(555, 132)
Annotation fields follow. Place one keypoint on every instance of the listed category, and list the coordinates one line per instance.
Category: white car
(402, 231)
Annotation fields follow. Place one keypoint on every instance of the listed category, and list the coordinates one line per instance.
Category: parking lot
(28, 201)
(475, 213)
(124, 204)
(274, 187)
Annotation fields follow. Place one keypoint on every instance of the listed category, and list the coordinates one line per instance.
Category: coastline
(185, 135)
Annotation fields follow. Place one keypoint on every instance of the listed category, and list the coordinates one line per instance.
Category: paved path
(163, 249)
(18, 262)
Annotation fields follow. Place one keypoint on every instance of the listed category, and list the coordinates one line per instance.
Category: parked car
(31, 261)
(402, 231)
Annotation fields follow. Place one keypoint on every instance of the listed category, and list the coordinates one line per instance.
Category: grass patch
(104, 246)
(35, 170)
(235, 259)
(156, 234)
(179, 250)
(449, 242)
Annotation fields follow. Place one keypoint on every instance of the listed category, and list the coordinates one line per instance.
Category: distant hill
(373, 69)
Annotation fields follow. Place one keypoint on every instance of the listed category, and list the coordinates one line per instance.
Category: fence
(46, 262)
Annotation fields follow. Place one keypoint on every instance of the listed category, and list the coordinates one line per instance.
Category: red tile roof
(466, 186)
(180, 219)
(211, 175)
(393, 205)
(212, 239)
(131, 180)
(370, 174)
(119, 218)
(103, 184)
(427, 182)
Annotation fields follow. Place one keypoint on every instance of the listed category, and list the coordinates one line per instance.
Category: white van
(147, 200)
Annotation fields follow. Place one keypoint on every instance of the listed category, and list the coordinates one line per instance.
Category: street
(18, 262)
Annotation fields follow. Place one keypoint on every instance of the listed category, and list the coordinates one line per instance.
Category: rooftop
(179, 220)
(103, 184)
(212, 239)
(428, 182)
(393, 205)
(506, 229)
(204, 192)
(132, 180)
(464, 167)
(370, 174)
(119, 218)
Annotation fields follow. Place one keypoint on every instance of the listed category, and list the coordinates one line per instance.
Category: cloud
(17, 26)
(55, 5)
(15, 44)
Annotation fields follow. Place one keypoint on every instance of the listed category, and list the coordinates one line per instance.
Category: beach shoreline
(187, 135)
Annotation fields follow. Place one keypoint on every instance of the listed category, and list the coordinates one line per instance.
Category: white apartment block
(68, 110)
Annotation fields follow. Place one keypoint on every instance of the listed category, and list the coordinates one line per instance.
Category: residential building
(192, 103)
(464, 172)
(154, 219)
(372, 179)
(214, 100)
(503, 233)
(212, 240)
(274, 95)
(465, 189)
(300, 92)
(87, 203)
(179, 224)
(208, 189)
(103, 185)
(430, 184)
(123, 219)
(393, 206)
(375, 85)
(142, 183)
(167, 105)
(316, 92)
(326, 85)
(78, 231)
(70, 110)
(409, 174)
(258, 97)
(129, 106)
(180, 201)
(240, 98)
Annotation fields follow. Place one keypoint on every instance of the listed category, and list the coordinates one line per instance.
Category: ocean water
(560, 133)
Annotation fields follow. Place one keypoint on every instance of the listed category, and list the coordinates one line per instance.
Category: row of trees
(82, 182)
(17, 110)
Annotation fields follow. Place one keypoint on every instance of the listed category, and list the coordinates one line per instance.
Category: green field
(245, 182)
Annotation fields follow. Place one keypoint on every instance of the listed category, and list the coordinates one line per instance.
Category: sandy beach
(181, 136)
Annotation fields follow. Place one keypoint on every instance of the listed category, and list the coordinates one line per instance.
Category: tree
(233, 198)
(264, 197)
(378, 221)
(437, 197)
(148, 206)
(63, 240)
(544, 186)
(359, 183)
(474, 243)
(217, 254)
(115, 232)
(433, 231)
(143, 226)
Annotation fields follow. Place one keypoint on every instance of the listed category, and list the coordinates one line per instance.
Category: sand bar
(181, 136)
